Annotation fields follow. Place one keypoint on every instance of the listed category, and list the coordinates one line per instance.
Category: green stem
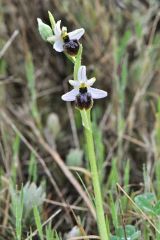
(86, 121)
(95, 180)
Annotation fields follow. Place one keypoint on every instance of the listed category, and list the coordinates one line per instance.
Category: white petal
(70, 96)
(74, 83)
(90, 82)
(97, 93)
(76, 34)
(58, 45)
(57, 28)
(82, 74)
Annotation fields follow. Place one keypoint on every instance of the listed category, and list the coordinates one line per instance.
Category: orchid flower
(83, 85)
(62, 36)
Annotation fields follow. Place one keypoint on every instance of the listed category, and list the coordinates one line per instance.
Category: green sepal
(44, 30)
(52, 21)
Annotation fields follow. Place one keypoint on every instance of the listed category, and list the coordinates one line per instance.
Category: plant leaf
(130, 233)
(145, 202)
(44, 30)
(157, 208)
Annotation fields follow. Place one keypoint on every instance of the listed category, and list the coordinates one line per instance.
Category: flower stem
(95, 180)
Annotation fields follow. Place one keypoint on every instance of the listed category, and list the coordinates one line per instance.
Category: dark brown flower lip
(84, 101)
(71, 46)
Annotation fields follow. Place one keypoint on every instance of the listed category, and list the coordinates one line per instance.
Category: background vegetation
(43, 168)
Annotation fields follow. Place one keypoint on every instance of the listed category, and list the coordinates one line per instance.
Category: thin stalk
(95, 180)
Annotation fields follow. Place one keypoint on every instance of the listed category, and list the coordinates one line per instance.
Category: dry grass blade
(8, 43)
(80, 169)
(65, 205)
(157, 18)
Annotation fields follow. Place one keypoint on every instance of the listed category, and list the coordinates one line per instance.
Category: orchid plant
(82, 94)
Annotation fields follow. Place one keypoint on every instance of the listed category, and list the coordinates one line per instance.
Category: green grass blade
(38, 222)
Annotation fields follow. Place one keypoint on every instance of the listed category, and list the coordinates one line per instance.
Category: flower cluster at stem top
(63, 41)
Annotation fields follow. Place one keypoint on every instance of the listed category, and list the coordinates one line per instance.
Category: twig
(135, 141)
(65, 205)
(46, 92)
(154, 26)
(8, 43)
